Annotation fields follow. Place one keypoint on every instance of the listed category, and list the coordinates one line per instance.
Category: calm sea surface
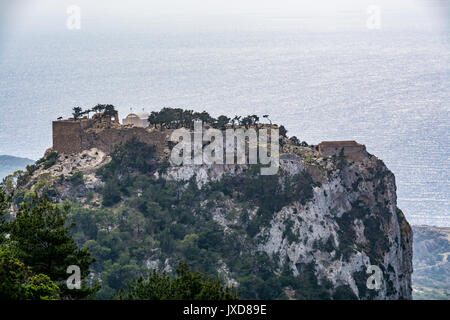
(389, 91)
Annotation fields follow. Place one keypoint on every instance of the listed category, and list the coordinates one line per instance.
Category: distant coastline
(9, 164)
(431, 248)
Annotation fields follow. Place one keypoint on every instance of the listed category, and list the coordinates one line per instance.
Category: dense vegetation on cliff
(144, 218)
(308, 232)
(36, 251)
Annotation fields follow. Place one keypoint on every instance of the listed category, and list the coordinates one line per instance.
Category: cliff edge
(327, 226)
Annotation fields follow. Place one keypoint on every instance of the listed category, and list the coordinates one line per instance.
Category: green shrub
(187, 285)
(111, 193)
(133, 156)
(76, 179)
(344, 293)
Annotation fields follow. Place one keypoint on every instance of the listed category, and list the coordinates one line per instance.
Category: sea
(388, 89)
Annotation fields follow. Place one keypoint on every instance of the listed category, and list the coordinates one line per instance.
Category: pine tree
(41, 239)
(17, 282)
(187, 285)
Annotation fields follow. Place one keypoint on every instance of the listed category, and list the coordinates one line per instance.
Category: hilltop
(311, 231)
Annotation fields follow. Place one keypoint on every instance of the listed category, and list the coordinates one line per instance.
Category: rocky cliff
(312, 231)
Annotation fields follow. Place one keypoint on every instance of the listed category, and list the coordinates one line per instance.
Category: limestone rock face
(351, 223)
(347, 227)
(59, 179)
(353, 208)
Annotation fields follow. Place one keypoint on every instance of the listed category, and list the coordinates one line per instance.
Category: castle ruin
(105, 132)
(102, 132)
(351, 149)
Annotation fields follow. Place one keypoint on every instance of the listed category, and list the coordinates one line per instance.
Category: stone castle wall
(74, 136)
(352, 150)
(67, 136)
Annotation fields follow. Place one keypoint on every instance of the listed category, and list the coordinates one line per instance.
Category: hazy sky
(211, 14)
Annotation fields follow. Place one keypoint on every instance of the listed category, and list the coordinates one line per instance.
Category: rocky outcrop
(340, 221)
(351, 223)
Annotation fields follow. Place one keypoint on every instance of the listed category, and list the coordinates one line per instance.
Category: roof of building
(141, 115)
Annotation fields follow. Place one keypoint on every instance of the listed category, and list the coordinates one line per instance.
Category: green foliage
(341, 161)
(111, 193)
(187, 285)
(134, 155)
(41, 287)
(264, 284)
(76, 179)
(288, 233)
(346, 231)
(99, 108)
(270, 193)
(295, 140)
(146, 221)
(41, 240)
(13, 274)
(167, 222)
(109, 110)
(50, 160)
(378, 244)
(77, 112)
(106, 109)
(31, 168)
(127, 160)
(173, 118)
(222, 122)
(17, 282)
(344, 293)
(307, 286)
(283, 131)
(118, 274)
(257, 277)
(249, 121)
